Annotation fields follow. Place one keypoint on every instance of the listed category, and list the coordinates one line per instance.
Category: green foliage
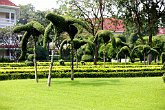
(121, 37)
(65, 24)
(81, 74)
(61, 62)
(110, 51)
(72, 31)
(2, 59)
(46, 34)
(120, 43)
(32, 28)
(163, 57)
(87, 58)
(133, 38)
(24, 45)
(30, 57)
(106, 35)
(76, 44)
(29, 63)
(125, 50)
(42, 53)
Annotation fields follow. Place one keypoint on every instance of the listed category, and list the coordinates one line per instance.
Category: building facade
(8, 13)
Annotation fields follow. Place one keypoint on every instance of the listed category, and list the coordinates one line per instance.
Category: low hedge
(82, 75)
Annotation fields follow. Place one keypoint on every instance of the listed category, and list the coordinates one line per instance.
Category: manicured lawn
(84, 94)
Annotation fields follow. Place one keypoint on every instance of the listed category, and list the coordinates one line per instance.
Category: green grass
(84, 94)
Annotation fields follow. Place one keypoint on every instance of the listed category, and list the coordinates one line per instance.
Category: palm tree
(105, 35)
(64, 24)
(34, 29)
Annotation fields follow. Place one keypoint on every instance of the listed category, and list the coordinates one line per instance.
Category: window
(12, 16)
(7, 15)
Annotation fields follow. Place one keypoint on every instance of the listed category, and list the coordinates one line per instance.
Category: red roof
(9, 46)
(115, 25)
(161, 30)
(6, 2)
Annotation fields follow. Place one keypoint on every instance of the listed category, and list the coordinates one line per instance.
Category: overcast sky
(38, 4)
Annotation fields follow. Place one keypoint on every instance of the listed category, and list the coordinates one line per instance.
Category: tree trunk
(101, 13)
(76, 60)
(104, 55)
(149, 58)
(50, 69)
(96, 54)
(72, 57)
(125, 58)
(150, 44)
(35, 62)
(144, 59)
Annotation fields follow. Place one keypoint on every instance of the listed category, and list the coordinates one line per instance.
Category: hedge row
(43, 70)
(22, 64)
(82, 75)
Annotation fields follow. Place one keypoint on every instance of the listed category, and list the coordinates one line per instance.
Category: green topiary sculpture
(33, 29)
(63, 24)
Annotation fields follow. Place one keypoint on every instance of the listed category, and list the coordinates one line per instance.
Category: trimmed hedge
(82, 75)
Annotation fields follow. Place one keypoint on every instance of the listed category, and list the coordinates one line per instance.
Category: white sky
(38, 4)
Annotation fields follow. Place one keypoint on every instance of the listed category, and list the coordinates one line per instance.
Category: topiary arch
(106, 36)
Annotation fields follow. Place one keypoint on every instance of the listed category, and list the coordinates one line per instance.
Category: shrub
(87, 58)
(30, 57)
(66, 74)
(29, 63)
(42, 53)
(61, 62)
(83, 62)
(163, 68)
(3, 59)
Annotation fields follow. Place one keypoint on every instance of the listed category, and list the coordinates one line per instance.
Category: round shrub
(61, 62)
(42, 53)
(87, 58)
(30, 57)
(29, 63)
(83, 62)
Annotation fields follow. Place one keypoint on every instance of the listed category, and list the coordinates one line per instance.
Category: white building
(8, 13)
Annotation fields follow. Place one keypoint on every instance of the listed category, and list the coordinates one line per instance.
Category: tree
(64, 24)
(76, 43)
(105, 35)
(144, 49)
(93, 12)
(125, 50)
(27, 13)
(33, 29)
(146, 15)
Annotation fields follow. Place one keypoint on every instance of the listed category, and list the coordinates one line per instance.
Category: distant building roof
(7, 3)
(161, 30)
(115, 25)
